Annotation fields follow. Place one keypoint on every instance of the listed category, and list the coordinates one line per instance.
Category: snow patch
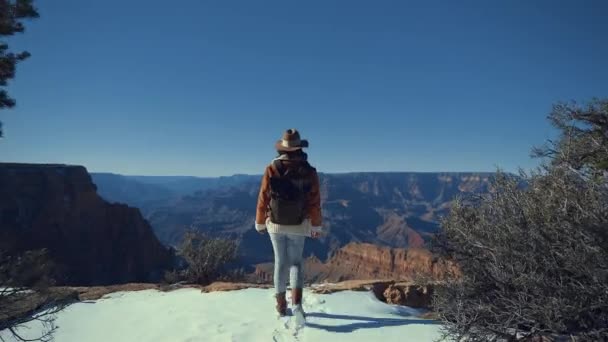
(244, 315)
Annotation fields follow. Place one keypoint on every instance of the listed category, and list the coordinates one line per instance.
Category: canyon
(91, 241)
(390, 209)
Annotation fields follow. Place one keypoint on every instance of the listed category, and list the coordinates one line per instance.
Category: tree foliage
(583, 142)
(12, 15)
(534, 257)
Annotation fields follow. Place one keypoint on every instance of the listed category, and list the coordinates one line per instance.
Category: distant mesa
(391, 209)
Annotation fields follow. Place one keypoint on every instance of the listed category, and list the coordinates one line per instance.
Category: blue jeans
(288, 251)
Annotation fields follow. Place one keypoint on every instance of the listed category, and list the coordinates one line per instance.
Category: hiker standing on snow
(289, 208)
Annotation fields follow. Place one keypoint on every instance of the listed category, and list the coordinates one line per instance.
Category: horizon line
(497, 169)
(320, 172)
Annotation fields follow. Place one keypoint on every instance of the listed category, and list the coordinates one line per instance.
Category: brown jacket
(313, 205)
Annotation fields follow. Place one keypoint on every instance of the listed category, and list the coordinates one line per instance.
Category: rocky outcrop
(415, 296)
(357, 261)
(94, 242)
(396, 293)
(225, 286)
(393, 295)
(367, 261)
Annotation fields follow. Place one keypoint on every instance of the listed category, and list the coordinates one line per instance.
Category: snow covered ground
(244, 315)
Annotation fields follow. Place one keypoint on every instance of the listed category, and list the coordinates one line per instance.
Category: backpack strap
(277, 167)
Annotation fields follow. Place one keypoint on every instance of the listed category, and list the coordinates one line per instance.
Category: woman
(289, 208)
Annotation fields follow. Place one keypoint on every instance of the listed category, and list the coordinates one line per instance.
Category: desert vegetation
(26, 293)
(206, 259)
(534, 251)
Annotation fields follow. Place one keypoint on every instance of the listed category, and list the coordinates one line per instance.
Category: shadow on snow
(365, 322)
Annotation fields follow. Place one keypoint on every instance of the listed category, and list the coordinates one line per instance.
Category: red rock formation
(396, 232)
(367, 261)
(414, 240)
(57, 207)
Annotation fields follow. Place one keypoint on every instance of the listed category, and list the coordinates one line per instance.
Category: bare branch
(534, 258)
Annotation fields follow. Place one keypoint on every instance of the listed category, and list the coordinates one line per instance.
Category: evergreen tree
(12, 15)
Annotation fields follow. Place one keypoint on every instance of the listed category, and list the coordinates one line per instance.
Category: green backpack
(289, 189)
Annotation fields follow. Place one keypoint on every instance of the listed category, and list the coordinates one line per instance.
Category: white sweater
(304, 229)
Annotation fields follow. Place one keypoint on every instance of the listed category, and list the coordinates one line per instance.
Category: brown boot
(296, 300)
(281, 304)
(296, 296)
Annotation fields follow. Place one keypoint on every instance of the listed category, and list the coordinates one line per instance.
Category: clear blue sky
(206, 87)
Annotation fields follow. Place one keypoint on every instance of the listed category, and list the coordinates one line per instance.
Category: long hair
(297, 154)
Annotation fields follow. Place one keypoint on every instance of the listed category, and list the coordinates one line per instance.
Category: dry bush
(534, 257)
(583, 143)
(207, 257)
(25, 294)
(172, 277)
